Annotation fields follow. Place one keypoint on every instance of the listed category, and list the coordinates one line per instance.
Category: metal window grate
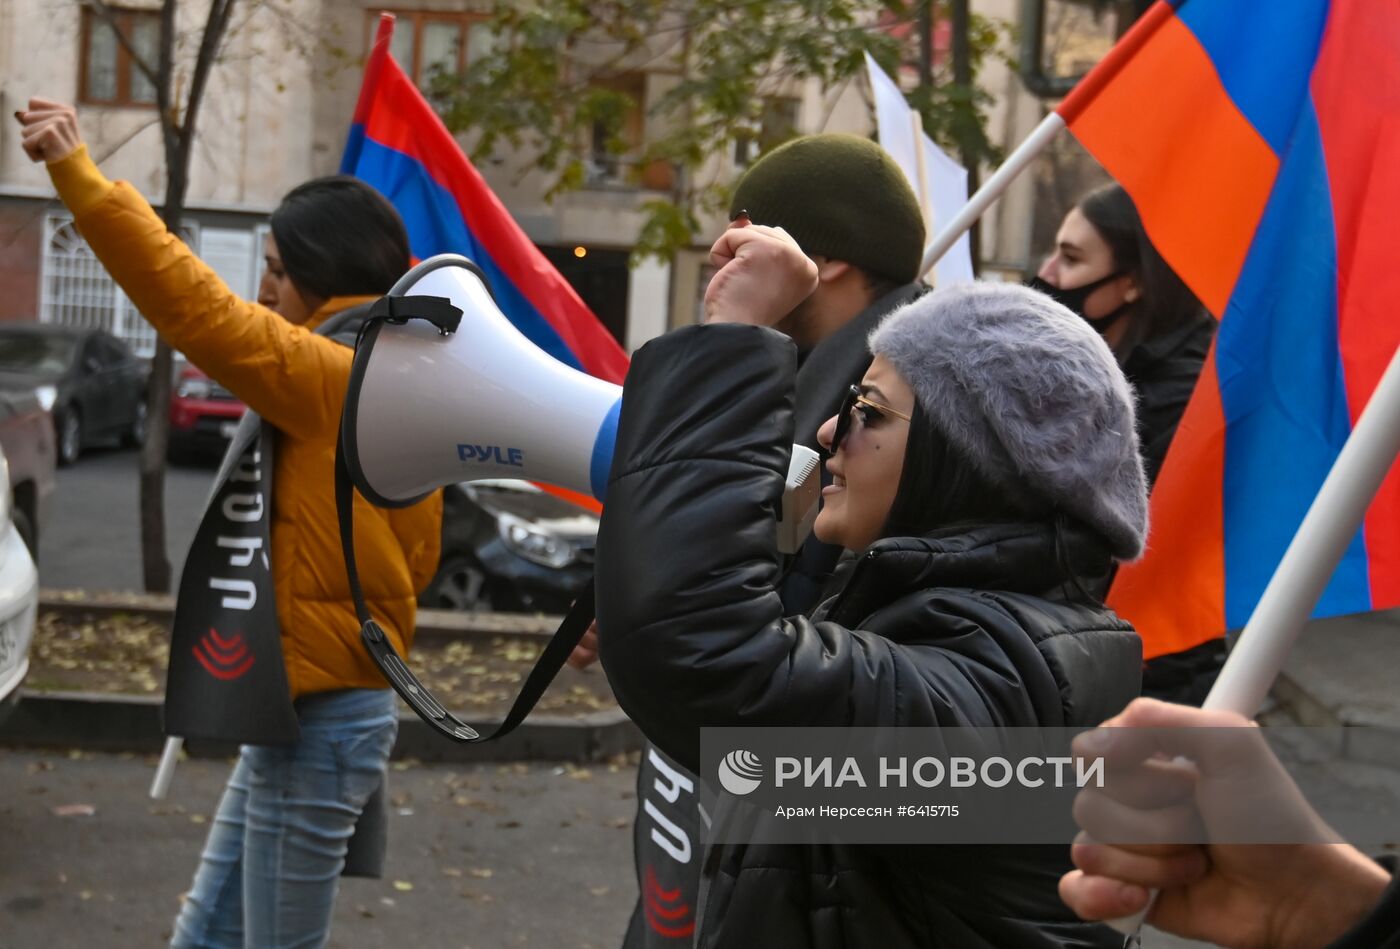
(75, 290)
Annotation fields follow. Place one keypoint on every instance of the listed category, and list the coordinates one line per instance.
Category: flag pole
(916, 125)
(1333, 519)
(1068, 110)
(1327, 530)
(165, 771)
(1016, 163)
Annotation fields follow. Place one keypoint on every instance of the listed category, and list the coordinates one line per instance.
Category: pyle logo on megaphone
(491, 454)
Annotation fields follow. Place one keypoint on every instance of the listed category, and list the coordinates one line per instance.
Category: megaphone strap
(438, 311)
(409, 687)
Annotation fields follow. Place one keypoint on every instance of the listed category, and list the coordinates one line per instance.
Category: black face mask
(1073, 299)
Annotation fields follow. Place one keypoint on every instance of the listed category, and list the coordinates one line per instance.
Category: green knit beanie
(839, 196)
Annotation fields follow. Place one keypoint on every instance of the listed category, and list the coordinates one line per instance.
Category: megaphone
(443, 389)
(427, 407)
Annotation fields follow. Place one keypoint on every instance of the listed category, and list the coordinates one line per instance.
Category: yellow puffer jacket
(296, 381)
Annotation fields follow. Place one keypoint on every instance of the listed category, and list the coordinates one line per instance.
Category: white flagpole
(1015, 163)
(1331, 523)
(916, 124)
(165, 771)
(1312, 556)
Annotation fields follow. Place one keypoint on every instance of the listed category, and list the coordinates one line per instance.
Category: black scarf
(226, 679)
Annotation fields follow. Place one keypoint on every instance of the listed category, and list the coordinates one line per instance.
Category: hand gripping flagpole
(1312, 556)
(1335, 515)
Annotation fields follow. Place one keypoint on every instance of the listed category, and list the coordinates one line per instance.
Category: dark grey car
(95, 385)
(509, 547)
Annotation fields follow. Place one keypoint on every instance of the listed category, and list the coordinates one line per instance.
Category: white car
(19, 600)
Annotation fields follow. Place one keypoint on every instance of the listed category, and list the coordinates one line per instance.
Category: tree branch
(214, 28)
(124, 140)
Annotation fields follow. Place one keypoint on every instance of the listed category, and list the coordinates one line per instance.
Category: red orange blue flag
(1261, 143)
(399, 144)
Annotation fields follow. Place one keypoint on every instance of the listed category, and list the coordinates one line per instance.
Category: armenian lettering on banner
(226, 679)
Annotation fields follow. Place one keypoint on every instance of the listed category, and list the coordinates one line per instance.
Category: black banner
(226, 679)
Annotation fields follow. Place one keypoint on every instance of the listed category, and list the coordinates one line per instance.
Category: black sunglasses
(856, 401)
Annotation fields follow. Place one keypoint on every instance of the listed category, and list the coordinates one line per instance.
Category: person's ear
(829, 270)
(1133, 291)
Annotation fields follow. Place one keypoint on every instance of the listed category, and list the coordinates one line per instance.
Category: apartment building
(277, 112)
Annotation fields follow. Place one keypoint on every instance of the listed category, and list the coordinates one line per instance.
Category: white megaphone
(427, 407)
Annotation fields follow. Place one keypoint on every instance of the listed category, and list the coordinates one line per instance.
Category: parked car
(203, 415)
(19, 603)
(91, 381)
(507, 546)
(28, 440)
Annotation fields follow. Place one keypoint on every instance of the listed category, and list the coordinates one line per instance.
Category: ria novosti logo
(740, 772)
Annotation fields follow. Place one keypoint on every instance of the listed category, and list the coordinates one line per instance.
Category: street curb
(128, 723)
(1339, 676)
(432, 624)
(1360, 737)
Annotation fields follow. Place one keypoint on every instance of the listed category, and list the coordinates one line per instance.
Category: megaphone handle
(417, 695)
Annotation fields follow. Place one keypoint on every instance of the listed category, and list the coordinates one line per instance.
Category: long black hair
(337, 236)
(1166, 303)
(941, 491)
(939, 488)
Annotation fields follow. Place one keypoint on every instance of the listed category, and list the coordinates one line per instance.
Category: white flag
(945, 179)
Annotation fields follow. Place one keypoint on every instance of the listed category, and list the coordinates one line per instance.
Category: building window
(108, 73)
(777, 122)
(616, 143)
(428, 44)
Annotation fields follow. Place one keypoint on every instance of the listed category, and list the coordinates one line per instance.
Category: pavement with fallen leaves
(479, 856)
(126, 653)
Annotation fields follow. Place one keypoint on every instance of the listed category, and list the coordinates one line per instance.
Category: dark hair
(337, 236)
(877, 285)
(1166, 303)
(940, 490)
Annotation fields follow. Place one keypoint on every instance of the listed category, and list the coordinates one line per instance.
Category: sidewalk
(1345, 672)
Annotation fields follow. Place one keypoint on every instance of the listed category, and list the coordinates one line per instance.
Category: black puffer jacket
(1163, 371)
(968, 629)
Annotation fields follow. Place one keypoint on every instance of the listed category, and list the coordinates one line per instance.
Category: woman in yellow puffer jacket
(269, 872)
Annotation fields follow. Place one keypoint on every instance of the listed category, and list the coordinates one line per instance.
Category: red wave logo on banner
(224, 659)
(666, 914)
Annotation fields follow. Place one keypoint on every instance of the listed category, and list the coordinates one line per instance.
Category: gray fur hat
(1032, 396)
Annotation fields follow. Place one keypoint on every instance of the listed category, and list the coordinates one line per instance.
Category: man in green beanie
(850, 208)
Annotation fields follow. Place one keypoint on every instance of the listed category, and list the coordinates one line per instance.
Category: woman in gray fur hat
(985, 471)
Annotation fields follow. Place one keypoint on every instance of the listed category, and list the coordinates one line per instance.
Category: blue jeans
(271, 867)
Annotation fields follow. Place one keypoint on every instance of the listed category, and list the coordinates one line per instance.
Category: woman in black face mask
(1105, 269)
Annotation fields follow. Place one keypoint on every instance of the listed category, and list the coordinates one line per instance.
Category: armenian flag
(399, 145)
(1261, 143)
